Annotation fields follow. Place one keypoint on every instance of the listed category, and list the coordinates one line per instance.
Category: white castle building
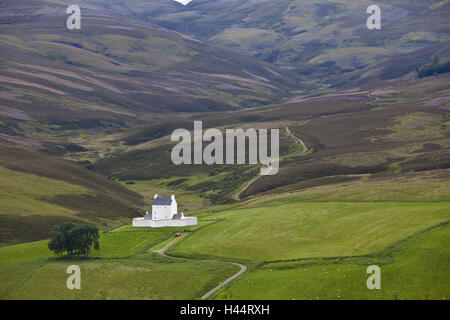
(164, 214)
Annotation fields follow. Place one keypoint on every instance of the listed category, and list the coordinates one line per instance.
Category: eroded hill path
(249, 183)
(305, 147)
(245, 187)
(242, 267)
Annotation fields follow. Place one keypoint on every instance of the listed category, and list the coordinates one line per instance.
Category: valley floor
(323, 255)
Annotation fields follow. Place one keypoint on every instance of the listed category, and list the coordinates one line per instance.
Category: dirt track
(222, 284)
(305, 148)
(249, 183)
(243, 268)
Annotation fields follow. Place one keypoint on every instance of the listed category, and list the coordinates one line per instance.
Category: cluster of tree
(434, 68)
(74, 239)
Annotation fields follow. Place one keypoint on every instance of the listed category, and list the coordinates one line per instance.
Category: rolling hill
(379, 132)
(39, 191)
(85, 124)
(116, 68)
(319, 39)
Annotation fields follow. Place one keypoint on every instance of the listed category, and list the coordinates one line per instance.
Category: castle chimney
(173, 197)
(156, 196)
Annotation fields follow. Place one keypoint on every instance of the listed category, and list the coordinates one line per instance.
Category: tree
(434, 68)
(74, 239)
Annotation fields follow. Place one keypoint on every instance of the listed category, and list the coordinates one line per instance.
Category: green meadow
(289, 229)
(26, 193)
(312, 244)
(145, 276)
(416, 268)
(124, 268)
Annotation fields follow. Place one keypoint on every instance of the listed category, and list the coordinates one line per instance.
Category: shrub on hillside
(434, 68)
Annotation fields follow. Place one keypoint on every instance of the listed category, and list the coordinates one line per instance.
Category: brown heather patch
(18, 228)
(30, 84)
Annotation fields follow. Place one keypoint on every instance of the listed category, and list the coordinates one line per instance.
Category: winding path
(163, 250)
(245, 187)
(305, 148)
(221, 285)
(249, 183)
(242, 267)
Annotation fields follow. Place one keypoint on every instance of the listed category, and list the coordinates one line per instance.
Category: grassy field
(416, 268)
(141, 277)
(313, 248)
(425, 186)
(22, 193)
(290, 229)
(123, 268)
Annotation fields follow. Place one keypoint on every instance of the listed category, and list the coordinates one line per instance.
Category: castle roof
(162, 201)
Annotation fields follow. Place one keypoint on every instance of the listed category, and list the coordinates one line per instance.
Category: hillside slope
(119, 66)
(317, 38)
(377, 132)
(39, 191)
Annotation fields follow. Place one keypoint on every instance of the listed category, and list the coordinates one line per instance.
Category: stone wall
(187, 221)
